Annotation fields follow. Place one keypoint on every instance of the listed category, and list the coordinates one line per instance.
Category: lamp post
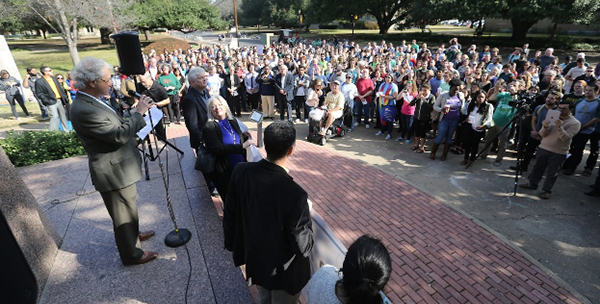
(354, 18)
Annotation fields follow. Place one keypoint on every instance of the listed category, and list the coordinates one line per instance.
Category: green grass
(7, 120)
(59, 60)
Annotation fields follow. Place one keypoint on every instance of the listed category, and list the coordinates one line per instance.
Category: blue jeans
(406, 122)
(446, 129)
(360, 108)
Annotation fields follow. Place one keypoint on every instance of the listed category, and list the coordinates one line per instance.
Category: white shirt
(99, 101)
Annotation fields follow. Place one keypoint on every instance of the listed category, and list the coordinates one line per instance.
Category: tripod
(518, 118)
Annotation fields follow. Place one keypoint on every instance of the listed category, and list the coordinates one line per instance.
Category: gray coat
(110, 142)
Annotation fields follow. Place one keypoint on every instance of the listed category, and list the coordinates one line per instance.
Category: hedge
(34, 147)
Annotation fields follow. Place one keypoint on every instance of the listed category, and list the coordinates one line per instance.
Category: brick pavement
(439, 255)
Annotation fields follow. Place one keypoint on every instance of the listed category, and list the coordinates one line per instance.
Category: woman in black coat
(224, 139)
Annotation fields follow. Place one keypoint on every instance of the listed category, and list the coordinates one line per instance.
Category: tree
(65, 16)
(572, 11)
(387, 12)
(179, 15)
(281, 13)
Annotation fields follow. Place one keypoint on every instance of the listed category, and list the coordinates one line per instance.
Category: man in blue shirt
(587, 111)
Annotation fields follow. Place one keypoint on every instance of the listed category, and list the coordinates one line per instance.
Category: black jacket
(267, 226)
(213, 141)
(44, 93)
(195, 112)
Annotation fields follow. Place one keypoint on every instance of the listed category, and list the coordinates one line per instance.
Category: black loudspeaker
(17, 282)
(130, 52)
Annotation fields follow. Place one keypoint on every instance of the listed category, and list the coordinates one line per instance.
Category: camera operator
(502, 115)
(531, 140)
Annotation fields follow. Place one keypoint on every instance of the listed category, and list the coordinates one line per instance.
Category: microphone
(133, 93)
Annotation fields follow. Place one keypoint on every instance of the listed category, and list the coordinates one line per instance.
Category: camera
(524, 101)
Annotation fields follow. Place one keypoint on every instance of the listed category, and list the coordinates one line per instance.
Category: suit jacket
(195, 112)
(44, 93)
(110, 142)
(267, 225)
(288, 85)
(236, 84)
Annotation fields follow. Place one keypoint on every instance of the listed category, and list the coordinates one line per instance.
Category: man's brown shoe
(145, 235)
(147, 257)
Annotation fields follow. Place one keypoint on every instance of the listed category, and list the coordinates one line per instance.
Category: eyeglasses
(59, 78)
(109, 80)
(563, 108)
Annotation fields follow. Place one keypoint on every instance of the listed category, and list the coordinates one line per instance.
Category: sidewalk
(439, 255)
(88, 269)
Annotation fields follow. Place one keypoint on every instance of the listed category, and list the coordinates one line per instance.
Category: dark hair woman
(479, 118)
(366, 270)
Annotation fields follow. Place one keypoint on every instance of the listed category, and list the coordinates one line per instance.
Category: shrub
(33, 147)
(371, 25)
(585, 47)
(170, 44)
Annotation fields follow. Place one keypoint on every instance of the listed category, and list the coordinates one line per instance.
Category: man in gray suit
(285, 84)
(115, 163)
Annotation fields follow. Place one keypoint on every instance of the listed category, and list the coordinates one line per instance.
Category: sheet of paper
(157, 115)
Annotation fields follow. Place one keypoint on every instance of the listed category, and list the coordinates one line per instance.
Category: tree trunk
(553, 34)
(147, 34)
(520, 28)
(43, 33)
(384, 25)
(104, 35)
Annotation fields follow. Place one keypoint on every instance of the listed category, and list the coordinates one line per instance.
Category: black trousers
(471, 141)
(235, 104)
(298, 103)
(577, 147)
(282, 104)
(253, 99)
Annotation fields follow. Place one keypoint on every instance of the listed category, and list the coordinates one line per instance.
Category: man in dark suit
(49, 91)
(195, 111)
(285, 84)
(115, 163)
(266, 221)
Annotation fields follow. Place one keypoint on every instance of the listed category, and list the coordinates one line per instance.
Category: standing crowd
(457, 97)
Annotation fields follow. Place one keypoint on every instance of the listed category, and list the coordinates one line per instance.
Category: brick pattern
(438, 255)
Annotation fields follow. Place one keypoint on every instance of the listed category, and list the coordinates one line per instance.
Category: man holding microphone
(115, 163)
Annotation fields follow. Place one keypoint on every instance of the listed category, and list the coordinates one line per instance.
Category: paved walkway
(439, 255)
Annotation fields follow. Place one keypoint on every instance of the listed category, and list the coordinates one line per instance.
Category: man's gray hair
(88, 69)
(195, 72)
(223, 102)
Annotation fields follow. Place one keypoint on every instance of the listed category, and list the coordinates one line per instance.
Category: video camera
(524, 101)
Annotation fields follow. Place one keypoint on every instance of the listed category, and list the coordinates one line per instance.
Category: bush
(34, 147)
(371, 25)
(585, 47)
(170, 44)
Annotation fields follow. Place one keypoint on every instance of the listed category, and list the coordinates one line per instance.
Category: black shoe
(593, 193)
(515, 168)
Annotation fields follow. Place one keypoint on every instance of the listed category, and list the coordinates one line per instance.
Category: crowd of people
(457, 96)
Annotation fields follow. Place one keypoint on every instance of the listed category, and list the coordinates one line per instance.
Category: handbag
(205, 161)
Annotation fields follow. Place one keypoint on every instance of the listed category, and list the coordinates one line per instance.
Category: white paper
(157, 115)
